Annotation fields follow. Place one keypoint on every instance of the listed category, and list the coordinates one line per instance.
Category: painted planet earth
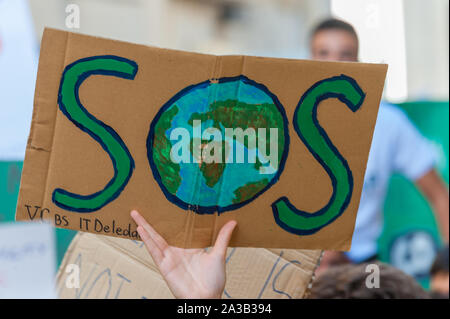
(227, 184)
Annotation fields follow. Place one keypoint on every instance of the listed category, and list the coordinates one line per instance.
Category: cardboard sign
(104, 267)
(192, 141)
(27, 260)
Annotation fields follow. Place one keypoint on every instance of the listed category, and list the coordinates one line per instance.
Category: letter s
(317, 141)
(69, 103)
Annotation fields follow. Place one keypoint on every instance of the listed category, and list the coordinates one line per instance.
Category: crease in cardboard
(39, 149)
(34, 118)
(36, 122)
(190, 223)
(217, 72)
(281, 257)
(277, 252)
(132, 257)
(67, 35)
(237, 94)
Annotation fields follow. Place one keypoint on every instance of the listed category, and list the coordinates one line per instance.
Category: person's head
(440, 273)
(334, 40)
(349, 282)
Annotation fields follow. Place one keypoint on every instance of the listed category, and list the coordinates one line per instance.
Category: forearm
(441, 209)
(436, 192)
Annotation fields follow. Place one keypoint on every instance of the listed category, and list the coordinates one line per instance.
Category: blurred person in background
(397, 147)
(350, 282)
(439, 275)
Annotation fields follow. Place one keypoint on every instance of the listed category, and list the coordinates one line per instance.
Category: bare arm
(436, 192)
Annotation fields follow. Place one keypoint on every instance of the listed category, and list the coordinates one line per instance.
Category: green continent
(212, 172)
(168, 170)
(249, 190)
(237, 114)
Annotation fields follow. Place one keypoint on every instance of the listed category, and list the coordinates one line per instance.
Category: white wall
(409, 35)
(380, 27)
(417, 47)
(263, 27)
(427, 47)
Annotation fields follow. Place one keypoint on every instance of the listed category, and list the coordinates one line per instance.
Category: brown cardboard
(59, 155)
(118, 268)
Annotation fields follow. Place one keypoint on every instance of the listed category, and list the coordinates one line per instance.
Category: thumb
(221, 245)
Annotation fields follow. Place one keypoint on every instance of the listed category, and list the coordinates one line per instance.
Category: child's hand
(189, 273)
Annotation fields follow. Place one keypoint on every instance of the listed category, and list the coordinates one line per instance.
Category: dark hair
(440, 264)
(334, 24)
(349, 282)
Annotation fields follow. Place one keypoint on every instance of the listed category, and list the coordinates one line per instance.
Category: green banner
(411, 237)
(10, 173)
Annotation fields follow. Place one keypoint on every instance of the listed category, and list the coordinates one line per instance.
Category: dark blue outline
(110, 130)
(324, 135)
(212, 209)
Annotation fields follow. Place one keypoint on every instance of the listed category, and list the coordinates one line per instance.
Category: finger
(151, 246)
(221, 245)
(162, 244)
